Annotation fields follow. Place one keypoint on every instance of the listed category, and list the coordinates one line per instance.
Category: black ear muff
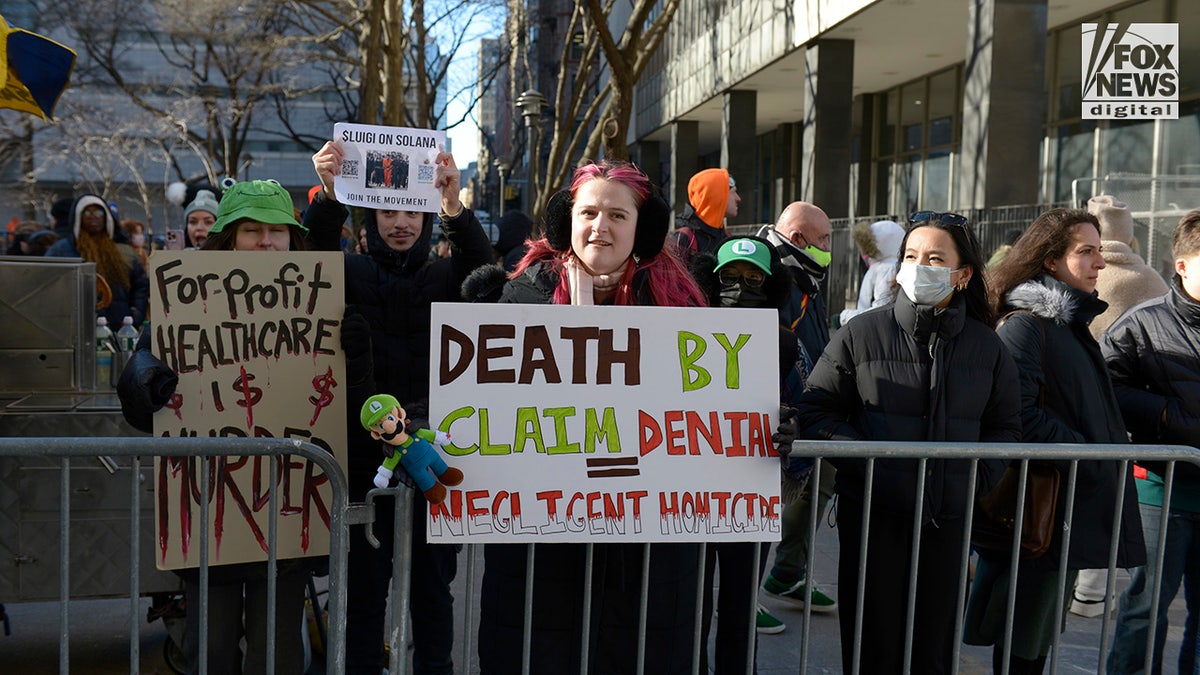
(557, 222)
(654, 220)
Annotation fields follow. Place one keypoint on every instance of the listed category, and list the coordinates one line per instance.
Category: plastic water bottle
(104, 354)
(127, 336)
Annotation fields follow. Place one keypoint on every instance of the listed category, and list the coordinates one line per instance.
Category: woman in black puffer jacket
(1048, 284)
(926, 368)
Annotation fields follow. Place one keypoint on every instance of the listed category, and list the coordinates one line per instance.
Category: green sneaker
(797, 595)
(764, 622)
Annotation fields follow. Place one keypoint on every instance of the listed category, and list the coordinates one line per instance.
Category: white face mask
(924, 284)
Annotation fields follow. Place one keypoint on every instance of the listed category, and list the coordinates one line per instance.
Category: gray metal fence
(132, 451)
(1125, 455)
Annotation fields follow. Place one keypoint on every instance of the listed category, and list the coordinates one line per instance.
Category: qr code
(424, 173)
(350, 168)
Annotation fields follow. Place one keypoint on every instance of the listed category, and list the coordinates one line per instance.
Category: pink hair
(625, 173)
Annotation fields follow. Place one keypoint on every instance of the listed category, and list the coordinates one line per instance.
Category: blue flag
(34, 71)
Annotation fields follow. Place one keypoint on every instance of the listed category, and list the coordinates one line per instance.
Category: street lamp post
(530, 103)
(501, 168)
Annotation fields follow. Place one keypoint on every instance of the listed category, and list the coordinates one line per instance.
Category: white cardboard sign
(388, 167)
(606, 424)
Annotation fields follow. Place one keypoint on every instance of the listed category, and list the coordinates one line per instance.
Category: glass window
(1074, 158)
(943, 105)
(1181, 141)
(908, 175)
(883, 187)
(1069, 80)
(936, 194)
(1128, 147)
(887, 131)
(1187, 15)
(912, 114)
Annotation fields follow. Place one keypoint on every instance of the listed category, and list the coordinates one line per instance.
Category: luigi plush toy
(383, 416)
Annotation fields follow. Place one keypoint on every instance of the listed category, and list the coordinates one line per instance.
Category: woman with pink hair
(602, 245)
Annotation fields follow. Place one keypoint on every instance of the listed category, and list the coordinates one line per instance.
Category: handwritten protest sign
(388, 167)
(254, 338)
(606, 423)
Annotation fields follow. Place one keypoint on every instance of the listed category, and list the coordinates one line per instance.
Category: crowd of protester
(1063, 336)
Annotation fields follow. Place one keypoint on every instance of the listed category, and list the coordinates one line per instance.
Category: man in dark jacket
(712, 197)
(393, 287)
(801, 237)
(1153, 356)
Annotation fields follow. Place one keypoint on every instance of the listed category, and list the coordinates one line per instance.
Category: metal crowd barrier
(1024, 452)
(343, 514)
(135, 449)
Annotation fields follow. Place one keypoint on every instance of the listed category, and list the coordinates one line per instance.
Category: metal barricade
(135, 449)
(1023, 452)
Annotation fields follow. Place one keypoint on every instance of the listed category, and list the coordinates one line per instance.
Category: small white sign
(606, 424)
(388, 168)
(1130, 71)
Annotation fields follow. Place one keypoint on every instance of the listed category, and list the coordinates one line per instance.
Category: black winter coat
(393, 290)
(1153, 355)
(1060, 362)
(905, 372)
(700, 237)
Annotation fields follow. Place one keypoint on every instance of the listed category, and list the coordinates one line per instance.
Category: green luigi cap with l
(263, 201)
(376, 408)
(754, 252)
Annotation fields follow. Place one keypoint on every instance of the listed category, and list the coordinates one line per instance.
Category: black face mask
(741, 295)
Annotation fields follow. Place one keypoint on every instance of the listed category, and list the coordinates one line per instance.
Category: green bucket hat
(376, 408)
(754, 252)
(264, 201)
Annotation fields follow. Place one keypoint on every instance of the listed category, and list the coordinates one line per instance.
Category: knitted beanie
(204, 201)
(1116, 222)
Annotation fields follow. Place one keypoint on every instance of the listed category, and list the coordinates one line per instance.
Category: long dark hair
(1047, 238)
(224, 240)
(968, 254)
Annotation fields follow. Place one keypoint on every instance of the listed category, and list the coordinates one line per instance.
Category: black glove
(145, 386)
(356, 345)
(785, 433)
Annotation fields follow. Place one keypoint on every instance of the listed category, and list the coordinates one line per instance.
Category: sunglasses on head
(935, 216)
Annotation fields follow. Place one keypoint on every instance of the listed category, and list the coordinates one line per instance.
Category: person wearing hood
(1046, 290)
(60, 216)
(879, 243)
(1126, 279)
(926, 368)
(712, 197)
(801, 238)
(393, 286)
(515, 229)
(92, 230)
